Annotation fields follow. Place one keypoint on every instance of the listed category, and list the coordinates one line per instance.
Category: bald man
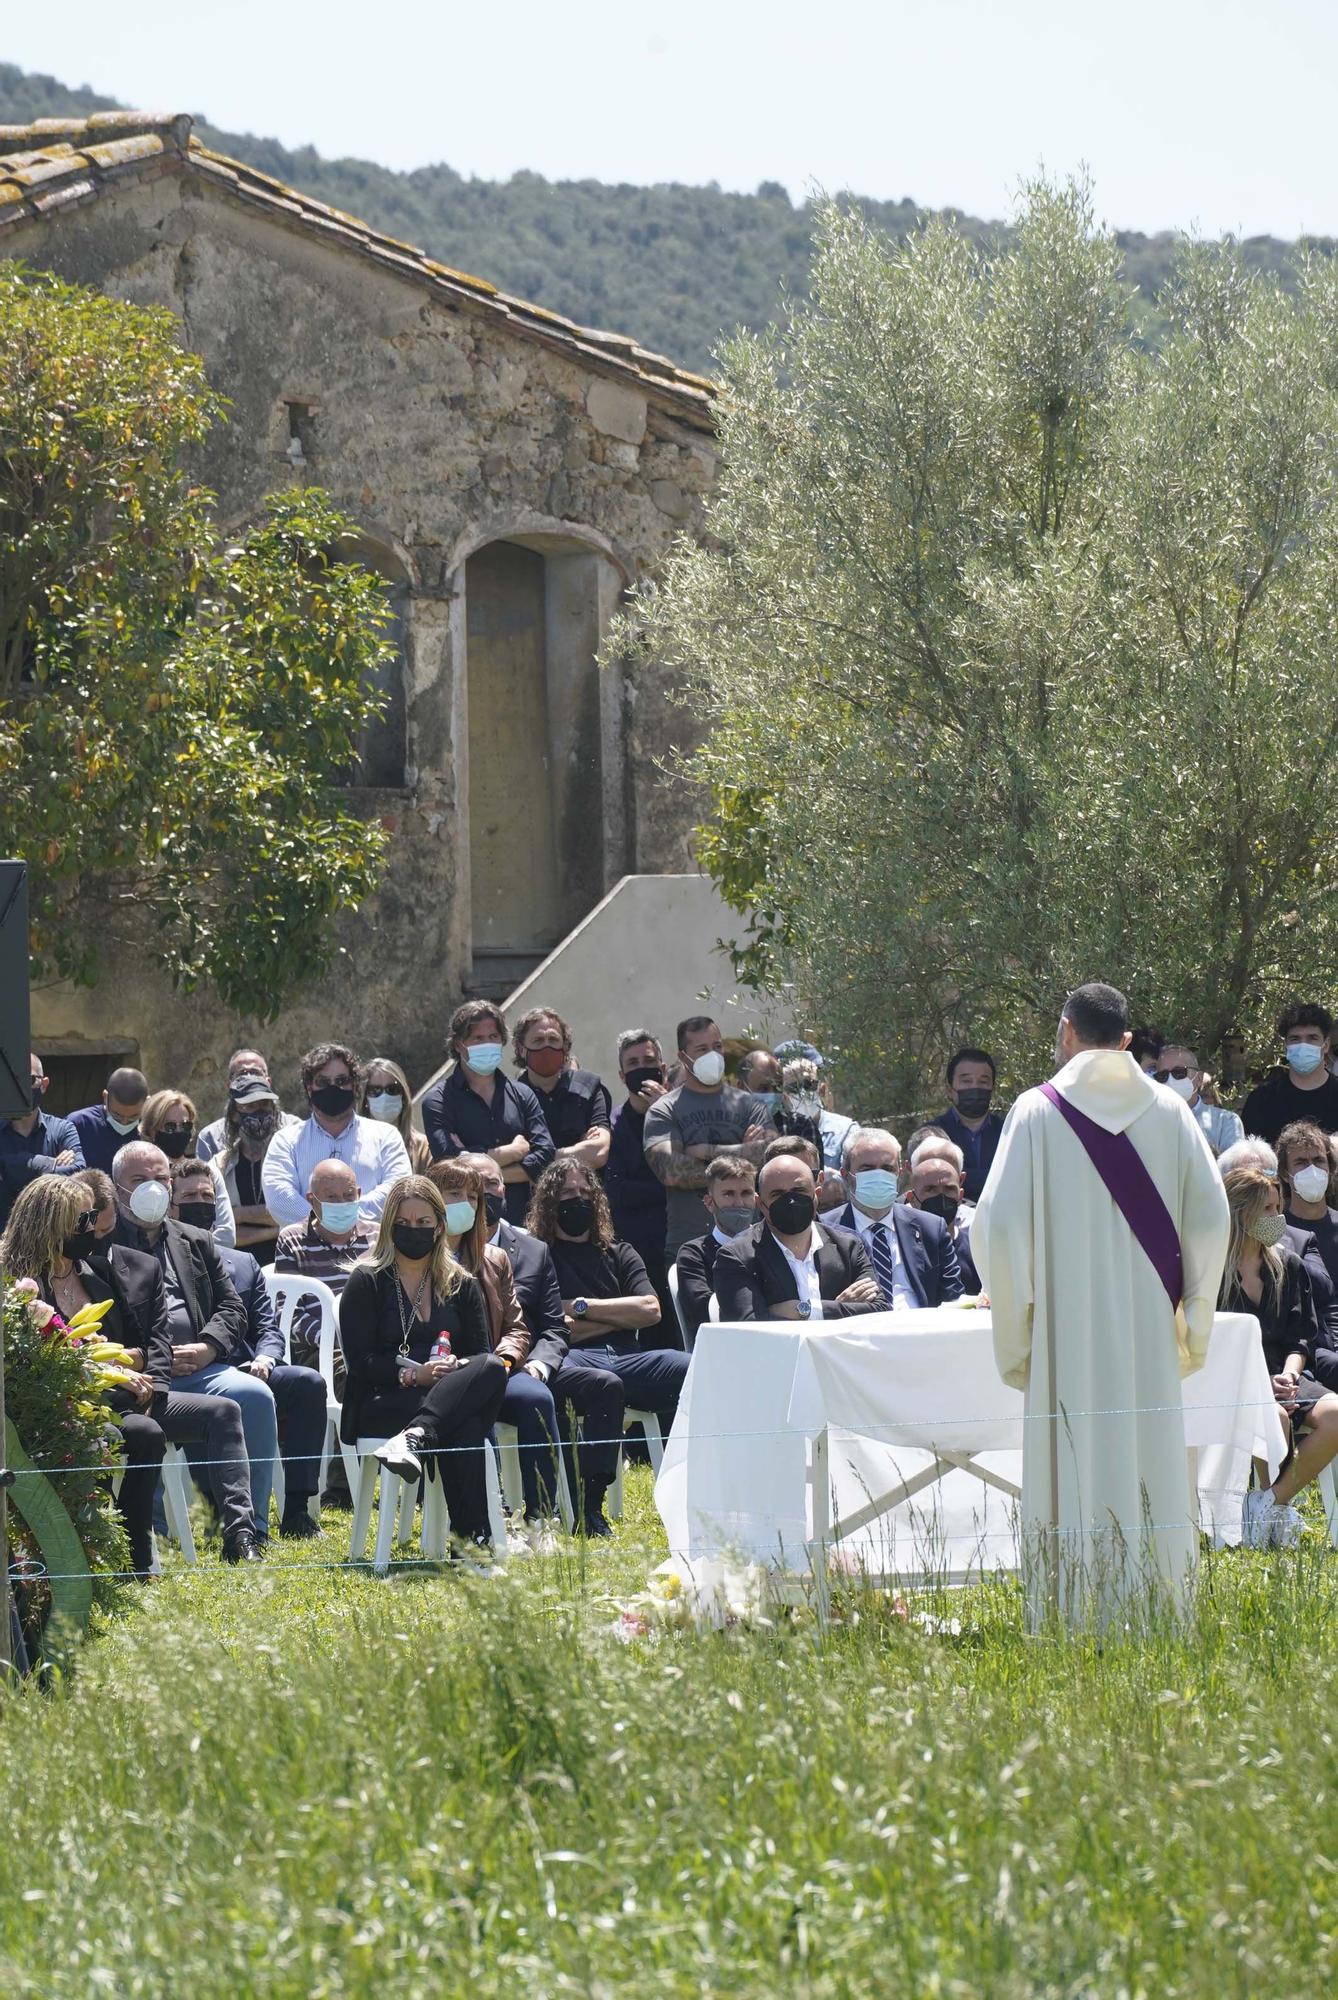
(791, 1266)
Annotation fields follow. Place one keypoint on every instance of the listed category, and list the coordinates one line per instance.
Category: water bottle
(441, 1346)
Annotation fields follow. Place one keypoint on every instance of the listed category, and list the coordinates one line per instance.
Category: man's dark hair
(326, 1052)
(189, 1170)
(970, 1055)
(631, 1038)
(790, 1145)
(128, 1086)
(1146, 1042)
(1301, 1014)
(696, 1024)
(1099, 1014)
(468, 1016)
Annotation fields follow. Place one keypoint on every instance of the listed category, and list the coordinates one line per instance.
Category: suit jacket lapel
(777, 1277)
(911, 1243)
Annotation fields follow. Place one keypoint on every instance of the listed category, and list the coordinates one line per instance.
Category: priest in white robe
(1084, 1323)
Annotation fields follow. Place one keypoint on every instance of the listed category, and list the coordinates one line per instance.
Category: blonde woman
(402, 1300)
(386, 1095)
(1265, 1278)
(168, 1121)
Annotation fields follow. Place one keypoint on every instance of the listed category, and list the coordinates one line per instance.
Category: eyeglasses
(1165, 1075)
(87, 1220)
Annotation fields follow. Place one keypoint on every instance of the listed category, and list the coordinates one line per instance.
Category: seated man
(578, 1385)
(1178, 1068)
(911, 1252)
(731, 1202)
(968, 1121)
(299, 1393)
(790, 1265)
(102, 1129)
(206, 1319)
(37, 1143)
(937, 1183)
(324, 1246)
(332, 1078)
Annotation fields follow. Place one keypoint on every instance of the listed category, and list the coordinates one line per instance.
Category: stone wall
(439, 431)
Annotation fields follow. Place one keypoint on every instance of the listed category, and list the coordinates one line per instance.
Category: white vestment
(1084, 1324)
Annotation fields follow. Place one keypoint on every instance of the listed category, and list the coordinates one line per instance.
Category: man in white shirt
(1178, 1068)
(910, 1251)
(332, 1078)
(790, 1265)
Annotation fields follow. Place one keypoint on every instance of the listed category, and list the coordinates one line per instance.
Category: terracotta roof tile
(56, 162)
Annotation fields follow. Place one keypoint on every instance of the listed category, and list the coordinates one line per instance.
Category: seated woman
(168, 1121)
(606, 1295)
(405, 1293)
(1266, 1278)
(528, 1402)
(51, 1239)
(386, 1096)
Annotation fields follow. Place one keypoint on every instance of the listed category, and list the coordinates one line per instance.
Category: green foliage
(173, 713)
(458, 1786)
(1017, 643)
(677, 266)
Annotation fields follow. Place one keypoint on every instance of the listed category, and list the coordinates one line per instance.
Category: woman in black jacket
(414, 1329)
(1265, 1278)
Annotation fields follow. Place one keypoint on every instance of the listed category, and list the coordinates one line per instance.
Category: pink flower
(25, 1288)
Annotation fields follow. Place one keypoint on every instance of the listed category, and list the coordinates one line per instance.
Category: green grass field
(301, 1782)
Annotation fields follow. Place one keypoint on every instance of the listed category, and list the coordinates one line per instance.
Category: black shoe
(242, 1547)
(298, 1525)
(596, 1527)
(400, 1454)
(338, 1499)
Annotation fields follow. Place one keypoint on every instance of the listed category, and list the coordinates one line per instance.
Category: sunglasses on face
(87, 1221)
(1165, 1075)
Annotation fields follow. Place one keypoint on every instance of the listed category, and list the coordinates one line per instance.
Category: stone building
(511, 475)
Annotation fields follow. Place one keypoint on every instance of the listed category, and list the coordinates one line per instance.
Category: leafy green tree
(174, 713)
(1016, 650)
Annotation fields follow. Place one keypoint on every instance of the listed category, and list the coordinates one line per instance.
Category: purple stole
(1133, 1191)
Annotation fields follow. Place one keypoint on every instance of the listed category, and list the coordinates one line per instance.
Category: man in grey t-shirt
(690, 1125)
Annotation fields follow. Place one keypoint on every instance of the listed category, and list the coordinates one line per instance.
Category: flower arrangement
(56, 1376)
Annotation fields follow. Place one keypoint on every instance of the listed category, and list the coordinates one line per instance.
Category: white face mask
(1183, 1086)
(1311, 1183)
(123, 1125)
(149, 1202)
(709, 1069)
(385, 1105)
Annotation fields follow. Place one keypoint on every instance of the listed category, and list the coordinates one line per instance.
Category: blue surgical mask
(460, 1217)
(483, 1057)
(875, 1188)
(385, 1105)
(1304, 1057)
(771, 1098)
(339, 1217)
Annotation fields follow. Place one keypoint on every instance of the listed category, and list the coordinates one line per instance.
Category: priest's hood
(1108, 1085)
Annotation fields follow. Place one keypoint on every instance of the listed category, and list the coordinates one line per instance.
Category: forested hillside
(674, 265)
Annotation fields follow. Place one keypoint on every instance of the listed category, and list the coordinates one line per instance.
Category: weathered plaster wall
(438, 432)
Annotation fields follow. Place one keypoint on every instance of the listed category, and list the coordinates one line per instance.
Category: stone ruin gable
(444, 418)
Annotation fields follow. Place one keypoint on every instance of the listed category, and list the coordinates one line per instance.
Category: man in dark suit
(299, 1393)
(212, 1423)
(731, 1202)
(579, 1387)
(206, 1321)
(791, 1266)
(937, 1188)
(910, 1250)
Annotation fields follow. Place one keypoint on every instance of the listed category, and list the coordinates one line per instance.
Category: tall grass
(303, 1783)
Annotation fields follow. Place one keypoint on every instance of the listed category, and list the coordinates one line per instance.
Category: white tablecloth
(888, 1392)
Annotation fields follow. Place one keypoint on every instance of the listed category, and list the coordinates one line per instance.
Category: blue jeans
(260, 1427)
(528, 1404)
(299, 1398)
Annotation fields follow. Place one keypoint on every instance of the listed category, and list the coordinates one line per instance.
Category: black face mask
(258, 1124)
(792, 1212)
(973, 1103)
(332, 1098)
(496, 1206)
(81, 1244)
(575, 1215)
(945, 1206)
(637, 1078)
(199, 1214)
(175, 1143)
(413, 1239)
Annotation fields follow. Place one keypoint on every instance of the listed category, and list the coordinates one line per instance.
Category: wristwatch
(579, 1308)
(805, 1308)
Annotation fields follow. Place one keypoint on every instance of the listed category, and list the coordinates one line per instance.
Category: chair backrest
(288, 1290)
(713, 1310)
(682, 1320)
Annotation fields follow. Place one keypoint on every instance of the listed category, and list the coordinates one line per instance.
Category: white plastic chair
(688, 1336)
(399, 1495)
(650, 1424)
(1327, 1482)
(287, 1291)
(513, 1485)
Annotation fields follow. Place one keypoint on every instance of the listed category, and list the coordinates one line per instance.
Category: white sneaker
(1285, 1525)
(400, 1454)
(1256, 1528)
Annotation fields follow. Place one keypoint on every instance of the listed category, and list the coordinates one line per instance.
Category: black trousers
(214, 1423)
(456, 1413)
(143, 1445)
(581, 1388)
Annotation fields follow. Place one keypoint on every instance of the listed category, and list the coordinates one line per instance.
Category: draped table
(893, 1435)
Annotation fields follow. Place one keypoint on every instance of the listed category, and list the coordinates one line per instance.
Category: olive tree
(1013, 648)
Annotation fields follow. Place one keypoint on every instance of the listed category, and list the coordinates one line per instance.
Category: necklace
(411, 1318)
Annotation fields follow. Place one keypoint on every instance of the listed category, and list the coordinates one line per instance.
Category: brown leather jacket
(509, 1334)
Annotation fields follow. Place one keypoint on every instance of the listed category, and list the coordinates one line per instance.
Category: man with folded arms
(1100, 1239)
(790, 1265)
